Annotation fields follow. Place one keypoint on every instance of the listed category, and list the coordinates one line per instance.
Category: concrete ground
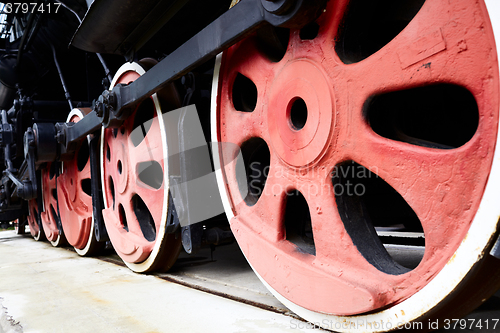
(51, 290)
(46, 289)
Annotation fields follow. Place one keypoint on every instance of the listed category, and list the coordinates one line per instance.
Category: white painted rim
(161, 234)
(469, 253)
(38, 236)
(57, 242)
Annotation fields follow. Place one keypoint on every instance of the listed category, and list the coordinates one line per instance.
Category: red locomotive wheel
(74, 197)
(135, 182)
(373, 121)
(36, 228)
(50, 216)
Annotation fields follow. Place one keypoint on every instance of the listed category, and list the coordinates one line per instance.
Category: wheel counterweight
(367, 122)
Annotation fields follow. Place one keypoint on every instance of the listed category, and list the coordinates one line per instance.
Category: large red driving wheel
(375, 120)
(74, 197)
(135, 180)
(49, 217)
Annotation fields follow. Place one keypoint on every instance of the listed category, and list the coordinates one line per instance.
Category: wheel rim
(75, 201)
(36, 229)
(49, 216)
(135, 183)
(300, 142)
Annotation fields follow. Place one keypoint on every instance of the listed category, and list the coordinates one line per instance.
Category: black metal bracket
(45, 142)
(191, 237)
(69, 135)
(28, 188)
(195, 236)
(173, 222)
(97, 201)
(6, 140)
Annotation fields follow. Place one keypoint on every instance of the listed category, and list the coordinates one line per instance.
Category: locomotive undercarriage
(306, 99)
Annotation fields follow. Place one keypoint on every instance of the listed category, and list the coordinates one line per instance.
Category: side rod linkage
(113, 107)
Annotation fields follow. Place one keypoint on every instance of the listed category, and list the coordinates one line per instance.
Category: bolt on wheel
(135, 183)
(74, 197)
(365, 136)
(50, 217)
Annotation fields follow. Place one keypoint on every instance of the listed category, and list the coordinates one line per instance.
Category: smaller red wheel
(74, 197)
(135, 182)
(34, 222)
(50, 217)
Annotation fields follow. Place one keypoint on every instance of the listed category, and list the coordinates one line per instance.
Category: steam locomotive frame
(394, 103)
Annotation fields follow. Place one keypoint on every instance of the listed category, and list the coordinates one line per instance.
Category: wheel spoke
(435, 183)
(149, 148)
(337, 247)
(259, 70)
(154, 206)
(246, 119)
(85, 173)
(326, 224)
(146, 177)
(270, 204)
(242, 126)
(132, 222)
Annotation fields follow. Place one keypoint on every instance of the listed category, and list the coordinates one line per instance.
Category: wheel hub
(121, 173)
(300, 117)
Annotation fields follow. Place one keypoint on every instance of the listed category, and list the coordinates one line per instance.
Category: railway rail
(349, 147)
